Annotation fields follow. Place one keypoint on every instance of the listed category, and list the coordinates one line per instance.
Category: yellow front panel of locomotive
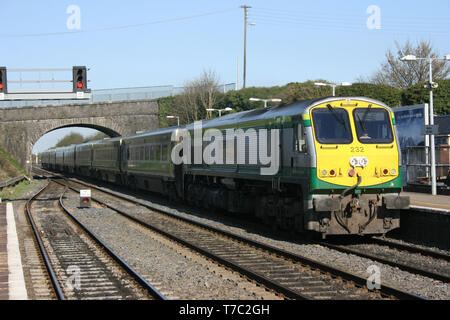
(333, 160)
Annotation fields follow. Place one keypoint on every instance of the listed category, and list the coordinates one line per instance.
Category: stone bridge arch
(21, 127)
(108, 131)
(35, 135)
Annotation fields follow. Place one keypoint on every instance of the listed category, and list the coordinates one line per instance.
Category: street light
(220, 110)
(333, 85)
(411, 57)
(265, 100)
(173, 117)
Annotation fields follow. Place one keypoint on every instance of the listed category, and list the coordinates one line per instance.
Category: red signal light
(79, 78)
(85, 200)
(351, 173)
(385, 171)
(1, 85)
(332, 172)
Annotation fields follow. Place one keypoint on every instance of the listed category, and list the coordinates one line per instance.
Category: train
(329, 165)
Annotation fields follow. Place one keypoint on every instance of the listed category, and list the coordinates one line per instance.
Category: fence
(418, 168)
(12, 181)
(118, 94)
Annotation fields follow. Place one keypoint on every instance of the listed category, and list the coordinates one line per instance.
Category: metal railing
(13, 181)
(418, 167)
(118, 94)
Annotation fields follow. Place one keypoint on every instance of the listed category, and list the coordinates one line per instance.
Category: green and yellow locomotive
(330, 165)
(339, 168)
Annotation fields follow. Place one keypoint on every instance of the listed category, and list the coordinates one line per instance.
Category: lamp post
(333, 85)
(220, 110)
(265, 100)
(431, 85)
(173, 117)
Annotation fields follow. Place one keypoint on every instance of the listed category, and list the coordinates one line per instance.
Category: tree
(76, 138)
(95, 136)
(417, 94)
(239, 100)
(197, 96)
(404, 74)
(167, 107)
(71, 138)
(390, 95)
(298, 91)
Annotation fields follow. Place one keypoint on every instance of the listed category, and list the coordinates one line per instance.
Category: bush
(418, 94)
(238, 100)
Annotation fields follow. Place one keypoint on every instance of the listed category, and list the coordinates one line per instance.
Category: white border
(16, 281)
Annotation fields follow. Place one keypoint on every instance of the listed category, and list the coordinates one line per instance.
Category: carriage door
(287, 139)
(300, 160)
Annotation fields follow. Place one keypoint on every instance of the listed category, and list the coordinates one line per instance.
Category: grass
(17, 191)
(13, 163)
(9, 168)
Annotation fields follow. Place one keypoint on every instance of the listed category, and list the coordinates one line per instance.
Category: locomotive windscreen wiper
(361, 123)
(366, 112)
(336, 115)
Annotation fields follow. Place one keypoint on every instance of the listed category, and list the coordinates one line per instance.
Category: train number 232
(356, 149)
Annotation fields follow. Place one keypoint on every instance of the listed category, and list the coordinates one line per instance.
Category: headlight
(354, 161)
(363, 161)
(359, 161)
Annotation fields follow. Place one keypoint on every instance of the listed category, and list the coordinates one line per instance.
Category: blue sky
(175, 40)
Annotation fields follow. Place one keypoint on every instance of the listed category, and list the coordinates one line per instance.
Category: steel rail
(245, 271)
(393, 263)
(146, 285)
(387, 290)
(422, 251)
(55, 283)
(345, 275)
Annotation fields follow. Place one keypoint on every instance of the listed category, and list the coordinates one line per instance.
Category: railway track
(291, 275)
(404, 257)
(412, 249)
(79, 265)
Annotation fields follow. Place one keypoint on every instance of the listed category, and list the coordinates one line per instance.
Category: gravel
(426, 263)
(390, 276)
(176, 271)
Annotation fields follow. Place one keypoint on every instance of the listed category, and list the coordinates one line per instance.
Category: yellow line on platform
(431, 204)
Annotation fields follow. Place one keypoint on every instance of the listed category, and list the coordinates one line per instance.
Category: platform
(426, 201)
(12, 284)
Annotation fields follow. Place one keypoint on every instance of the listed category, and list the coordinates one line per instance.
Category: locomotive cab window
(373, 125)
(332, 125)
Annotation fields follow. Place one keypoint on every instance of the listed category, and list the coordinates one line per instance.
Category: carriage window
(155, 152)
(158, 152)
(165, 149)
